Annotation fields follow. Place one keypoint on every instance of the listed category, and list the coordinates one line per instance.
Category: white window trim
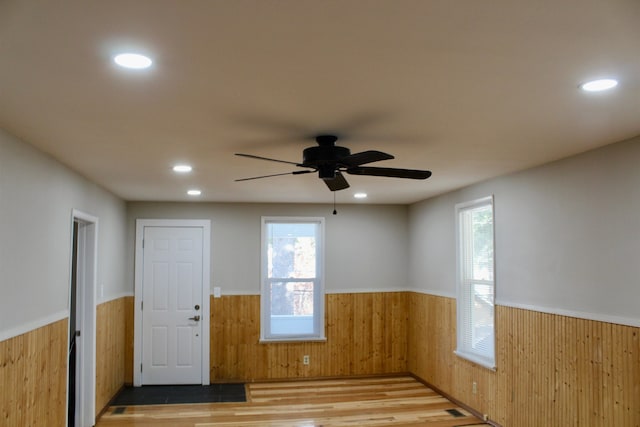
(319, 296)
(486, 362)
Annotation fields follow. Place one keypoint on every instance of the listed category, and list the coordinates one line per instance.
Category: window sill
(480, 361)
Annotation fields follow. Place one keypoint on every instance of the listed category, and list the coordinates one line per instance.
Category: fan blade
(370, 156)
(390, 172)
(275, 174)
(251, 156)
(338, 183)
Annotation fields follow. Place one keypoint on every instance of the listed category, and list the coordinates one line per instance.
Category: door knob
(196, 318)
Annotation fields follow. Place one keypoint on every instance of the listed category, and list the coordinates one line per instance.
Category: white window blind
(292, 304)
(476, 282)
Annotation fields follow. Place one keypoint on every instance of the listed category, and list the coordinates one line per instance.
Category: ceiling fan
(331, 160)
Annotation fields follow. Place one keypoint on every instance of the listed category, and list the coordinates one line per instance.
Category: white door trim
(86, 316)
(206, 272)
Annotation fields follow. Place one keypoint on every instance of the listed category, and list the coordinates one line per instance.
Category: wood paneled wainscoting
(552, 370)
(33, 377)
(111, 348)
(366, 335)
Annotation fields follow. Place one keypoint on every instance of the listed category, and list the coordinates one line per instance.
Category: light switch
(216, 292)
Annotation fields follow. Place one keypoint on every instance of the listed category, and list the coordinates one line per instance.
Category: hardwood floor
(379, 402)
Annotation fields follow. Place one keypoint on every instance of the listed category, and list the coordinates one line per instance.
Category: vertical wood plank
(129, 313)
(111, 347)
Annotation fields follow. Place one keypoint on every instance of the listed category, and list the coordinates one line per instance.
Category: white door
(172, 306)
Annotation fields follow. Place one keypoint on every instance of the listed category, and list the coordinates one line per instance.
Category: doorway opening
(73, 327)
(81, 367)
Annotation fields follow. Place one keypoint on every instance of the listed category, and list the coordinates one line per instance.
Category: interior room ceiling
(467, 89)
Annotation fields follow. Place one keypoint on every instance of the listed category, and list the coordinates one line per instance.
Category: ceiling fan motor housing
(325, 159)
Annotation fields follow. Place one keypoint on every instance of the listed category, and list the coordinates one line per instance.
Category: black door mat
(172, 394)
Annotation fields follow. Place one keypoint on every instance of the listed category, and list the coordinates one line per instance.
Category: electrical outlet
(474, 387)
(305, 359)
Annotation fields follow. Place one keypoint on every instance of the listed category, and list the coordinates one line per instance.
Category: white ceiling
(467, 89)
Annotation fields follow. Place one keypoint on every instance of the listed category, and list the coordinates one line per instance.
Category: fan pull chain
(335, 212)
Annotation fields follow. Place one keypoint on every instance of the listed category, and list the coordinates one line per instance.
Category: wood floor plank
(374, 402)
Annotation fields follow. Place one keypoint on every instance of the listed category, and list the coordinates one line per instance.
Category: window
(476, 282)
(292, 304)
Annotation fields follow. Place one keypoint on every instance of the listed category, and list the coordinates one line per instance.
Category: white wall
(366, 246)
(567, 236)
(37, 196)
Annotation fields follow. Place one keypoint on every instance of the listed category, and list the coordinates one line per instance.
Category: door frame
(86, 279)
(205, 224)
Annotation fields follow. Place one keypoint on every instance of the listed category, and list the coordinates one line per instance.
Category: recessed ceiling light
(360, 195)
(194, 192)
(182, 168)
(599, 85)
(132, 60)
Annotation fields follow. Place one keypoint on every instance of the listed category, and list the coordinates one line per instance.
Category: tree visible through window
(292, 297)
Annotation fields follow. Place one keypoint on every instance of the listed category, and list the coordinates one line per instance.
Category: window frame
(464, 293)
(318, 283)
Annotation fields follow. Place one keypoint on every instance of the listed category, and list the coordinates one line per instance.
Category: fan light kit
(330, 161)
(599, 85)
(360, 195)
(133, 61)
